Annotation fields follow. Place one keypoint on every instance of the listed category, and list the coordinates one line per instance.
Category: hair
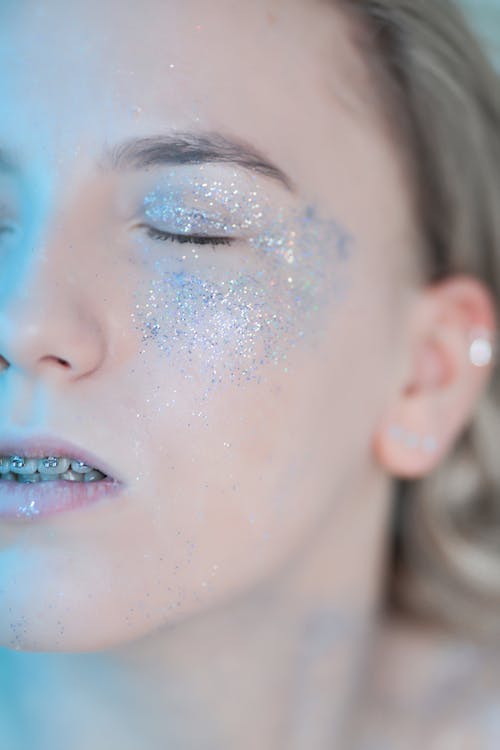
(440, 89)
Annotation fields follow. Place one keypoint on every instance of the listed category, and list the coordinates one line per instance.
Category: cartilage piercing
(481, 347)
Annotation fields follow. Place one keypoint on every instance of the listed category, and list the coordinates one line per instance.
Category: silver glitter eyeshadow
(226, 326)
(212, 206)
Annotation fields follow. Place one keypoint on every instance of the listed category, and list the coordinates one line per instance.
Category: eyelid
(182, 221)
(207, 206)
(194, 238)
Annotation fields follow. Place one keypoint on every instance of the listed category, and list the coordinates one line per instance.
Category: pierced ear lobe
(410, 454)
(453, 344)
(428, 444)
(405, 453)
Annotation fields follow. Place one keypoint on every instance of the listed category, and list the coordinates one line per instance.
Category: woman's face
(232, 381)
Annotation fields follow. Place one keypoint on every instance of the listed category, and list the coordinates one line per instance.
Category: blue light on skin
(246, 286)
(238, 281)
(23, 204)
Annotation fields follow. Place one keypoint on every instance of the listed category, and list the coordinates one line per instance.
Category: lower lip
(33, 501)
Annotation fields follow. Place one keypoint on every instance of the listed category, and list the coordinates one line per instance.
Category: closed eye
(194, 239)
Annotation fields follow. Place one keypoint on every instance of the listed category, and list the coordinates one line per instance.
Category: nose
(48, 327)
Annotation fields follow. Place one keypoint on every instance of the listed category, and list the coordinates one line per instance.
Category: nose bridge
(47, 322)
(31, 285)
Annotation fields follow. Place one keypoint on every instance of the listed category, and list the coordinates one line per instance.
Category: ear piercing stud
(481, 353)
(427, 443)
(481, 347)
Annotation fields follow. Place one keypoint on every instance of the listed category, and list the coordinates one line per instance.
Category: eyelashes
(193, 239)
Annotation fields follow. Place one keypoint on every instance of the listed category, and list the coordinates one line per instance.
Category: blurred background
(485, 16)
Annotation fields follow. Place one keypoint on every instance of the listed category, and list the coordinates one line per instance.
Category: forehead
(74, 76)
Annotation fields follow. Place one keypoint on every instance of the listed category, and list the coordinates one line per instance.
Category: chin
(55, 629)
(50, 612)
(46, 606)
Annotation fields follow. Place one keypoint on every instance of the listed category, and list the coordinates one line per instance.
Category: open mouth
(41, 476)
(26, 469)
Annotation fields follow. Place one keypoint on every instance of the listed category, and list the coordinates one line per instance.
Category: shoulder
(427, 688)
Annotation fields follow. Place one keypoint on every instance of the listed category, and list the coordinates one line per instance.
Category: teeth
(49, 468)
(93, 476)
(28, 478)
(4, 464)
(20, 465)
(72, 476)
(53, 465)
(49, 477)
(80, 467)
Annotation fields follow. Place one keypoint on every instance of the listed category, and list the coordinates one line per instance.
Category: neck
(277, 668)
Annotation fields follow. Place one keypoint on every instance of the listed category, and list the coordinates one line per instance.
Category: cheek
(219, 330)
(225, 327)
(221, 488)
(227, 505)
(232, 476)
(221, 505)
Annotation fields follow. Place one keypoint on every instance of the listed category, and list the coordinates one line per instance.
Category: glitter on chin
(219, 327)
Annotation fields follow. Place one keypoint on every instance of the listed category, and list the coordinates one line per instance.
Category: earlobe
(405, 453)
(454, 348)
(428, 444)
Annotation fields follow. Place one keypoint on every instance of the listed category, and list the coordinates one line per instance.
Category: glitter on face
(224, 312)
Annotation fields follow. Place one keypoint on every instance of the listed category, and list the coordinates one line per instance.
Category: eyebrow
(191, 148)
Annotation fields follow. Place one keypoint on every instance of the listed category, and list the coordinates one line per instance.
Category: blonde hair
(444, 96)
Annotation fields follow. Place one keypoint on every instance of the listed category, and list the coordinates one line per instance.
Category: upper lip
(41, 446)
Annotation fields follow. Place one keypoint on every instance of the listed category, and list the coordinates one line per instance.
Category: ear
(446, 374)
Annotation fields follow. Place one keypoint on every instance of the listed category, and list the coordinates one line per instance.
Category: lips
(30, 502)
(42, 445)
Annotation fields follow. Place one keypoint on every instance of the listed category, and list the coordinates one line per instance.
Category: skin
(228, 573)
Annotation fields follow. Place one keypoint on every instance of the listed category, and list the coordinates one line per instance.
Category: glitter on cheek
(212, 324)
(226, 326)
